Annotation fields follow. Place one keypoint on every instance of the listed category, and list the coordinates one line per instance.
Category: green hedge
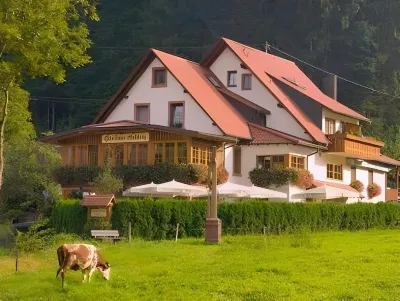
(69, 217)
(159, 173)
(158, 219)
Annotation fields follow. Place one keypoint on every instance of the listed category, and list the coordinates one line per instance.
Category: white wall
(142, 92)
(378, 178)
(279, 119)
(317, 166)
(249, 158)
(326, 113)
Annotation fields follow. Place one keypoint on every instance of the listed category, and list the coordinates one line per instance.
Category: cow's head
(105, 270)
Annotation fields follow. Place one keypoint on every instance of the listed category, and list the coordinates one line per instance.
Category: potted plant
(357, 185)
(374, 190)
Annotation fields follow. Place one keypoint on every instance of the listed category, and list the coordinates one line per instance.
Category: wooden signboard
(126, 137)
(100, 212)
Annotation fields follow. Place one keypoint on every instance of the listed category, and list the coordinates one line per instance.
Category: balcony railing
(355, 145)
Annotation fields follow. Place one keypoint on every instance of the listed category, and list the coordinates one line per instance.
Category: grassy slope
(324, 266)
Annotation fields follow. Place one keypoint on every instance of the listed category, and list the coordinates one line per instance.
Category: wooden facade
(90, 149)
(355, 145)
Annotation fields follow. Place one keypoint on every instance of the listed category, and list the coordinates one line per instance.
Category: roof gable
(194, 80)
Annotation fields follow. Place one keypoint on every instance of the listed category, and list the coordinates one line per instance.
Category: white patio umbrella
(326, 192)
(229, 189)
(168, 189)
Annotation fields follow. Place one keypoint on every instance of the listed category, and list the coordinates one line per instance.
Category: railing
(355, 145)
(391, 195)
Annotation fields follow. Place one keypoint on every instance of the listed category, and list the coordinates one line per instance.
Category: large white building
(263, 109)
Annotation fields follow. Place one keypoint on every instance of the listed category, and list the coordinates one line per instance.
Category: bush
(357, 185)
(96, 224)
(222, 175)
(107, 182)
(263, 177)
(68, 217)
(158, 219)
(374, 190)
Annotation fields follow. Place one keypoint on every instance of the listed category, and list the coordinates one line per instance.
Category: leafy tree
(28, 176)
(40, 38)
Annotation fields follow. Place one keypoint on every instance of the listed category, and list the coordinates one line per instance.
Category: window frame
(333, 172)
(228, 81)
(173, 103)
(296, 164)
(153, 78)
(251, 81)
(237, 166)
(136, 105)
(327, 120)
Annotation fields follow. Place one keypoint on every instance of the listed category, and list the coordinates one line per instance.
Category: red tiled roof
(286, 71)
(264, 135)
(388, 160)
(194, 79)
(103, 200)
(317, 183)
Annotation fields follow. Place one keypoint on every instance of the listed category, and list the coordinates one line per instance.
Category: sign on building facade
(127, 137)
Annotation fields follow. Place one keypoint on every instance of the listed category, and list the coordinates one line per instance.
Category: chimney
(329, 86)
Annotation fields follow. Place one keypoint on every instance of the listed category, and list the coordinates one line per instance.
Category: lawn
(322, 266)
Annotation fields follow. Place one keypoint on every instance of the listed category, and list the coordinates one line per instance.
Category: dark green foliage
(159, 173)
(263, 177)
(69, 217)
(158, 219)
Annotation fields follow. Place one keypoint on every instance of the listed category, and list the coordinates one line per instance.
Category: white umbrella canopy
(167, 189)
(229, 189)
(326, 192)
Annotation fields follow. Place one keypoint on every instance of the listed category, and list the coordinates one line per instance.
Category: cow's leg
(62, 278)
(84, 275)
(92, 269)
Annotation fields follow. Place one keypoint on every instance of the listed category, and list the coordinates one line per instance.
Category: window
(246, 81)
(353, 173)
(93, 155)
(232, 78)
(169, 152)
(297, 162)
(237, 161)
(334, 172)
(176, 115)
(329, 126)
(107, 154)
(132, 154)
(370, 177)
(182, 152)
(278, 162)
(158, 152)
(142, 154)
(119, 154)
(142, 113)
(81, 155)
(203, 157)
(264, 162)
(159, 77)
(196, 155)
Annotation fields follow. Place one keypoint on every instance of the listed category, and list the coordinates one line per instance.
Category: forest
(358, 40)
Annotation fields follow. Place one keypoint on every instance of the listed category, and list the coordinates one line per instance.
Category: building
(259, 110)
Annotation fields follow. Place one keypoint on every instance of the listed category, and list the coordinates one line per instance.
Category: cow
(83, 257)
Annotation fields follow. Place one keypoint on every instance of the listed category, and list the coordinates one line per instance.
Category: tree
(106, 182)
(40, 39)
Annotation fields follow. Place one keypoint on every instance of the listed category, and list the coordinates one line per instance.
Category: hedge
(69, 217)
(158, 219)
(159, 173)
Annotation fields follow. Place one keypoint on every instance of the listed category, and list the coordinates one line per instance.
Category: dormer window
(232, 82)
(159, 77)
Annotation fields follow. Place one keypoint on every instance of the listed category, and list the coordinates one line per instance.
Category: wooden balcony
(355, 145)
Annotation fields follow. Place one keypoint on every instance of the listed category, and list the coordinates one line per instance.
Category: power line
(340, 77)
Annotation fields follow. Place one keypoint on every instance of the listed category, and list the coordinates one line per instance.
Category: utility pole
(213, 223)
(53, 121)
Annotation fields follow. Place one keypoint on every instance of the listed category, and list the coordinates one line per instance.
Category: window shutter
(237, 160)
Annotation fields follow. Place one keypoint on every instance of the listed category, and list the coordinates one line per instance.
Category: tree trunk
(2, 127)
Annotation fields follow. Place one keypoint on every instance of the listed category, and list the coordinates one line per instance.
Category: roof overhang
(383, 160)
(98, 128)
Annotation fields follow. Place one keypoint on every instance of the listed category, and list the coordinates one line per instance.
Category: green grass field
(322, 266)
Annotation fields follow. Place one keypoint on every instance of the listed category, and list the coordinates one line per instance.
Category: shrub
(304, 179)
(263, 177)
(106, 182)
(222, 175)
(374, 190)
(68, 217)
(96, 224)
(357, 185)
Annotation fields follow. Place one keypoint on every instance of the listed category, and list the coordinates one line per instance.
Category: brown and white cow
(81, 257)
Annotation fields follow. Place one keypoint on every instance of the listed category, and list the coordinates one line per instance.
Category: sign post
(213, 223)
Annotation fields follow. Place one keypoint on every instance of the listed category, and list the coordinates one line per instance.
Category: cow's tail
(61, 259)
